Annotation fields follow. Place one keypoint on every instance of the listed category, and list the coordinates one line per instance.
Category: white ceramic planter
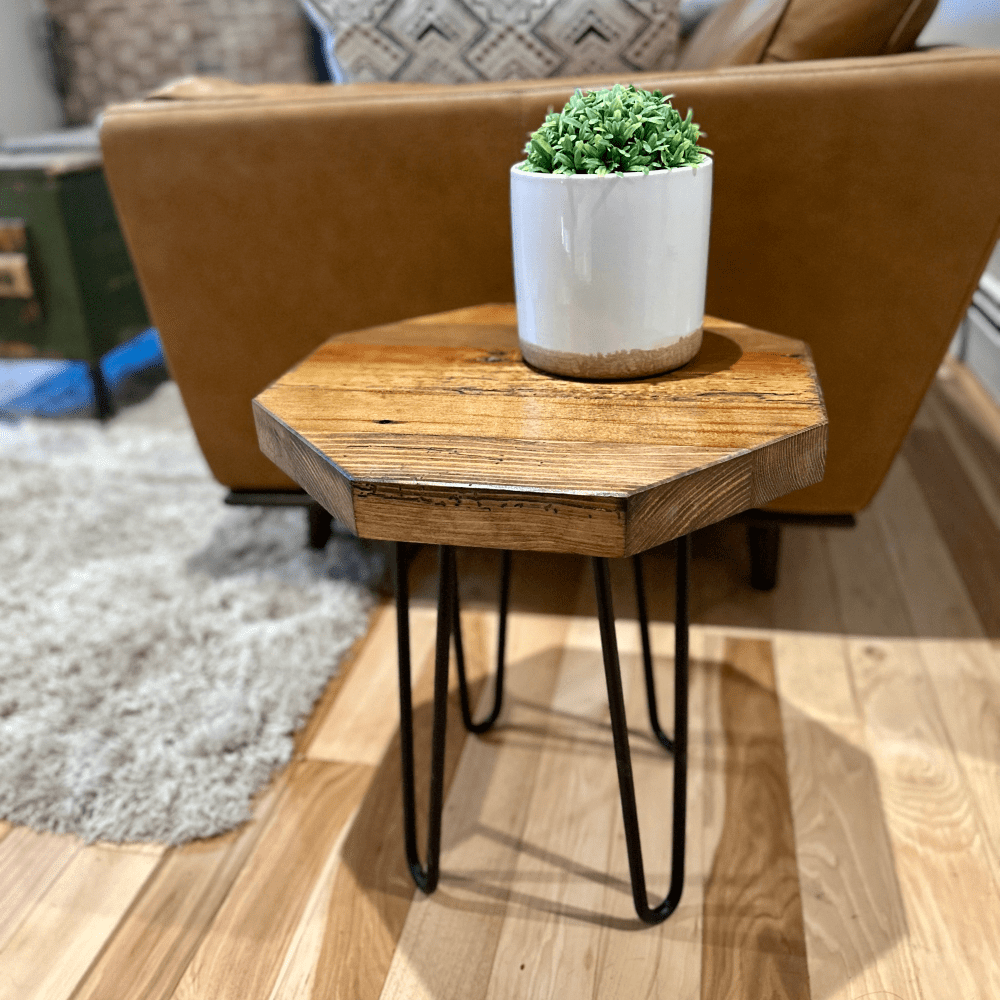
(609, 271)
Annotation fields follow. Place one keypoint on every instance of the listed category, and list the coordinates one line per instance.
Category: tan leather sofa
(856, 202)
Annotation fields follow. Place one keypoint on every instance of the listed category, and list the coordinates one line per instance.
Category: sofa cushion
(753, 31)
(462, 41)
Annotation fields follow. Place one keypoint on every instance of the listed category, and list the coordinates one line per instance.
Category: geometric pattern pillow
(463, 41)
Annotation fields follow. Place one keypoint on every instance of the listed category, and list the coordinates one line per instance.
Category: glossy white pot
(609, 271)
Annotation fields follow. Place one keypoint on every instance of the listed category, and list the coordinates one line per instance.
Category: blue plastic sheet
(34, 388)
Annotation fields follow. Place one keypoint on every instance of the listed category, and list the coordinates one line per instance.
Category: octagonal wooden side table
(434, 430)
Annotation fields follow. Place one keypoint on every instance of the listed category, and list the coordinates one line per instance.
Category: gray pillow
(462, 41)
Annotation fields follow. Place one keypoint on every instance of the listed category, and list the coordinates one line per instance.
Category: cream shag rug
(157, 648)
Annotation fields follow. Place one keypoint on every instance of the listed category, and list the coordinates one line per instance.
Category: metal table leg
(448, 626)
(619, 729)
(647, 656)
(448, 629)
(426, 878)
(463, 688)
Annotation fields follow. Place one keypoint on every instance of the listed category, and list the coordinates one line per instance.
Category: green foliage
(622, 129)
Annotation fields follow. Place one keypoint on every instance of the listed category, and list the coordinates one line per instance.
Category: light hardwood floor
(844, 798)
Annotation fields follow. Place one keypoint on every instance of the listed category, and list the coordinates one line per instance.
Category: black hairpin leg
(647, 657)
(426, 878)
(619, 729)
(448, 625)
(463, 688)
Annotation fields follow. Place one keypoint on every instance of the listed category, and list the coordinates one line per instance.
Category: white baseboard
(982, 350)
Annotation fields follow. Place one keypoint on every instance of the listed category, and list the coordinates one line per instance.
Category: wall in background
(28, 101)
(116, 50)
(975, 23)
(965, 22)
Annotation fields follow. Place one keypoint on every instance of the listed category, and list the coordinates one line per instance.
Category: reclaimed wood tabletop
(435, 430)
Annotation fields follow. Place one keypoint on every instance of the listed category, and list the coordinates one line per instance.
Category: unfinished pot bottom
(618, 365)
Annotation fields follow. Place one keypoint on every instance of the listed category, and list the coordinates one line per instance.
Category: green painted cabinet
(82, 297)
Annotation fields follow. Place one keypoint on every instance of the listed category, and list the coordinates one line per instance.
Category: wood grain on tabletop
(436, 431)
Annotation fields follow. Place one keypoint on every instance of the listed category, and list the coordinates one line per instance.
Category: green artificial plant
(618, 130)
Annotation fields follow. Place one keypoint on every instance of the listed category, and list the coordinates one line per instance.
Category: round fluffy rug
(158, 649)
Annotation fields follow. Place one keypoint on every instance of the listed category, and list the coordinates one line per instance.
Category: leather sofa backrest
(753, 31)
(265, 220)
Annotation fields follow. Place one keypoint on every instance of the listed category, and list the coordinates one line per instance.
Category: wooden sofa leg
(320, 526)
(765, 541)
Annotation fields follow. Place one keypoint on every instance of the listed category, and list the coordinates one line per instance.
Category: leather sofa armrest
(855, 205)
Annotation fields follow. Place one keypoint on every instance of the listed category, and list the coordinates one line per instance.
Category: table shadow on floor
(750, 897)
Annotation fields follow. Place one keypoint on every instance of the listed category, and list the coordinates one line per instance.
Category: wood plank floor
(844, 793)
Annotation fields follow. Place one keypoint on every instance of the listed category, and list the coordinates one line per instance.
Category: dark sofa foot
(320, 526)
(765, 542)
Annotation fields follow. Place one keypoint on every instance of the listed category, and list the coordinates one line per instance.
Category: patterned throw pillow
(462, 41)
